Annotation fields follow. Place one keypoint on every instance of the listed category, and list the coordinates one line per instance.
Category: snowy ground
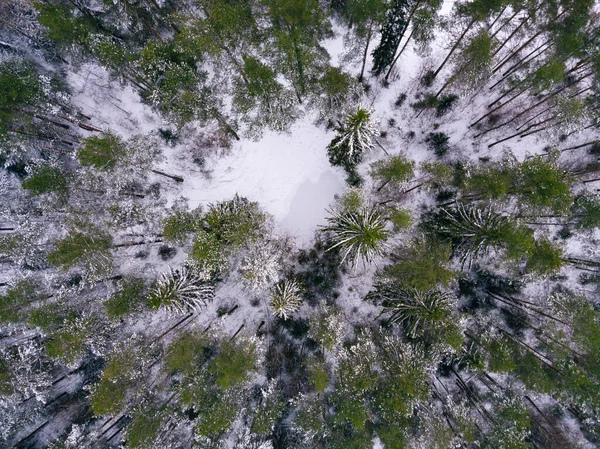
(289, 173)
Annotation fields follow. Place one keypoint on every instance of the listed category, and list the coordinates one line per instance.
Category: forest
(300, 224)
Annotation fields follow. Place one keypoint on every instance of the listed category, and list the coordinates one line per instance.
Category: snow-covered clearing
(287, 173)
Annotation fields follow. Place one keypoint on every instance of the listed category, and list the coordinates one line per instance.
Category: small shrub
(46, 180)
(400, 218)
(445, 104)
(102, 152)
(128, 299)
(438, 143)
(400, 100)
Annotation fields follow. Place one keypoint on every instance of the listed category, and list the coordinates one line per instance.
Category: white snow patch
(287, 173)
(377, 444)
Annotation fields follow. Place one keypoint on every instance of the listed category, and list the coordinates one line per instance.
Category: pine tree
(285, 299)
(359, 235)
(391, 35)
(181, 291)
(417, 310)
(354, 138)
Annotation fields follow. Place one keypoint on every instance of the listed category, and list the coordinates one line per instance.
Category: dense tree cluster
(449, 300)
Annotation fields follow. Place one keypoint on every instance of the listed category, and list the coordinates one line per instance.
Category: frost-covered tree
(285, 299)
(417, 310)
(354, 137)
(473, 231)
(261, 266)
(237, 222)
(394, 170)
(327, 327)
(181, 291)
(359, 235)
(89, 248)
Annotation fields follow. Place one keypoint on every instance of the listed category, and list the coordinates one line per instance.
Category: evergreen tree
(285, 299)
(391, 35)
(354, 138)
(359, 235)
(181, 291)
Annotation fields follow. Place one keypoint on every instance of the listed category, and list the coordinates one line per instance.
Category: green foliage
(501, 357)
(208, 254)
(46, 179)
(400, 218)
(48, 317)
(352, 200)
(395, 169)
(179, 223)
(234, 362)
(391, 35)
(218, 414)
(78, 247)
(69, 343)
(297, 28)
(6, 387)
(474, 61)
(102, 152)
(326, 328)
(442, 104)
(127, 300)
(419, 311)
(181, 291)
(354, 137)
(422, 265)
(12, 304)
(544, 258)
(438, 143)
(318, 376)
(268, 413)
(473, 231)
(285, 298)
(586, 211)
(144, 427)
(490, 182)
(236, 222)
(543, 185)
(187, 353)
(379, 379)
(360, 235)
(19, 88)
(61, 26)
(124, 367)
(108, 397)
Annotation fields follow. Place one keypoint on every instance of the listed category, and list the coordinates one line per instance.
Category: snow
(287, 173)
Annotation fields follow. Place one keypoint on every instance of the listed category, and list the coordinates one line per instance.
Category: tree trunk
(173, 177)
(453, 49)
(410, 16)
(365, 53)
(516, 52)
(513, 68)
(498, 18)
(510, 36)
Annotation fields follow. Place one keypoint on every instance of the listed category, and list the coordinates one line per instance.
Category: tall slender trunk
(542, 101)
(516, 52)
(500, 14)
(410, 16)
(532, 54)
(453, 49)
(510, 36)
(365, 53)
